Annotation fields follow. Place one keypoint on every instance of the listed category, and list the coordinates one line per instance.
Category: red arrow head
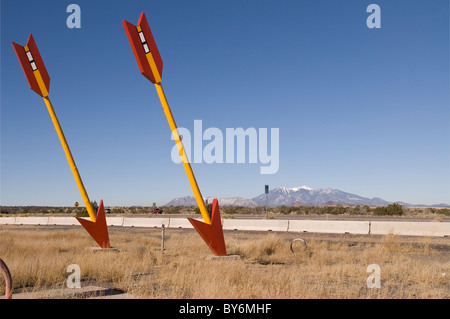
(98, 229)
(212, 233)
(144, 48)
(31, 61)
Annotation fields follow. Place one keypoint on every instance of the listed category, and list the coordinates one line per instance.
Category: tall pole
(267, 213)
(184, 159)
(70, 159)
(266, 190)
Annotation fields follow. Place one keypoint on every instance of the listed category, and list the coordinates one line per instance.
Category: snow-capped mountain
(296, 196)
(288, 196)
(232, 201)
(182, 201)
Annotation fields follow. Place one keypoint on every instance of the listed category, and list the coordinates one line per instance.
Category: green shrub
(84, 213)
(394, 209)
(390, 210)
(208, 208)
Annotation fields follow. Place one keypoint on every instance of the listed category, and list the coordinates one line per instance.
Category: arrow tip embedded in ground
(212, 233)
(98, 229)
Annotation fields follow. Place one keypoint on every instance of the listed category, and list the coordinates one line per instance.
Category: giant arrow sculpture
(150, 64)
(39, 81)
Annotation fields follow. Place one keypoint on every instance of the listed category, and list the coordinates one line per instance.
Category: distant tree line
(389, 210)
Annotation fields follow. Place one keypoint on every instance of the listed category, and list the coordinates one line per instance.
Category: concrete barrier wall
(255, 224)
(410, 228)
(61, 221)
(329, 226)
(144, 222)
(7, 220)
(181, 223)
(31, 221)
(114, 221)
(406, 228)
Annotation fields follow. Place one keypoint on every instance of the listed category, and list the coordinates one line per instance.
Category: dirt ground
(270, 264)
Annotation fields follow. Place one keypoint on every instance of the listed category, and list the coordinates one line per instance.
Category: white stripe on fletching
(29, 56)
(141, 35)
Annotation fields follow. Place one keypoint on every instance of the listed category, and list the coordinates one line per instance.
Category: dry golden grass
(331, 266)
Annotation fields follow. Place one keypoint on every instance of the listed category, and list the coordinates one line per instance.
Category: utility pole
(267, 201)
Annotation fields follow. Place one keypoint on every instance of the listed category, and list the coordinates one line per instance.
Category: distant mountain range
(232, 201)
(297, 196)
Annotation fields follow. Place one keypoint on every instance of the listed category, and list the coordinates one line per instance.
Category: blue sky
(362, 110)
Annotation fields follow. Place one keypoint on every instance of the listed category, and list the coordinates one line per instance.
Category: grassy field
(330, 266)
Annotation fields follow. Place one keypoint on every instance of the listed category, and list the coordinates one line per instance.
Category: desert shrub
(117, 211)
(360, 210)
(395, 209)
(390, 210)
(208, 208)
(84, 213)
(339, 210)
(173, 209)
(286, 210)
(380, 211)
(229, 210)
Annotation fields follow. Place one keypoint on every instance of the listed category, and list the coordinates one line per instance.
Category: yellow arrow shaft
(186, 164)
(69, 156)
